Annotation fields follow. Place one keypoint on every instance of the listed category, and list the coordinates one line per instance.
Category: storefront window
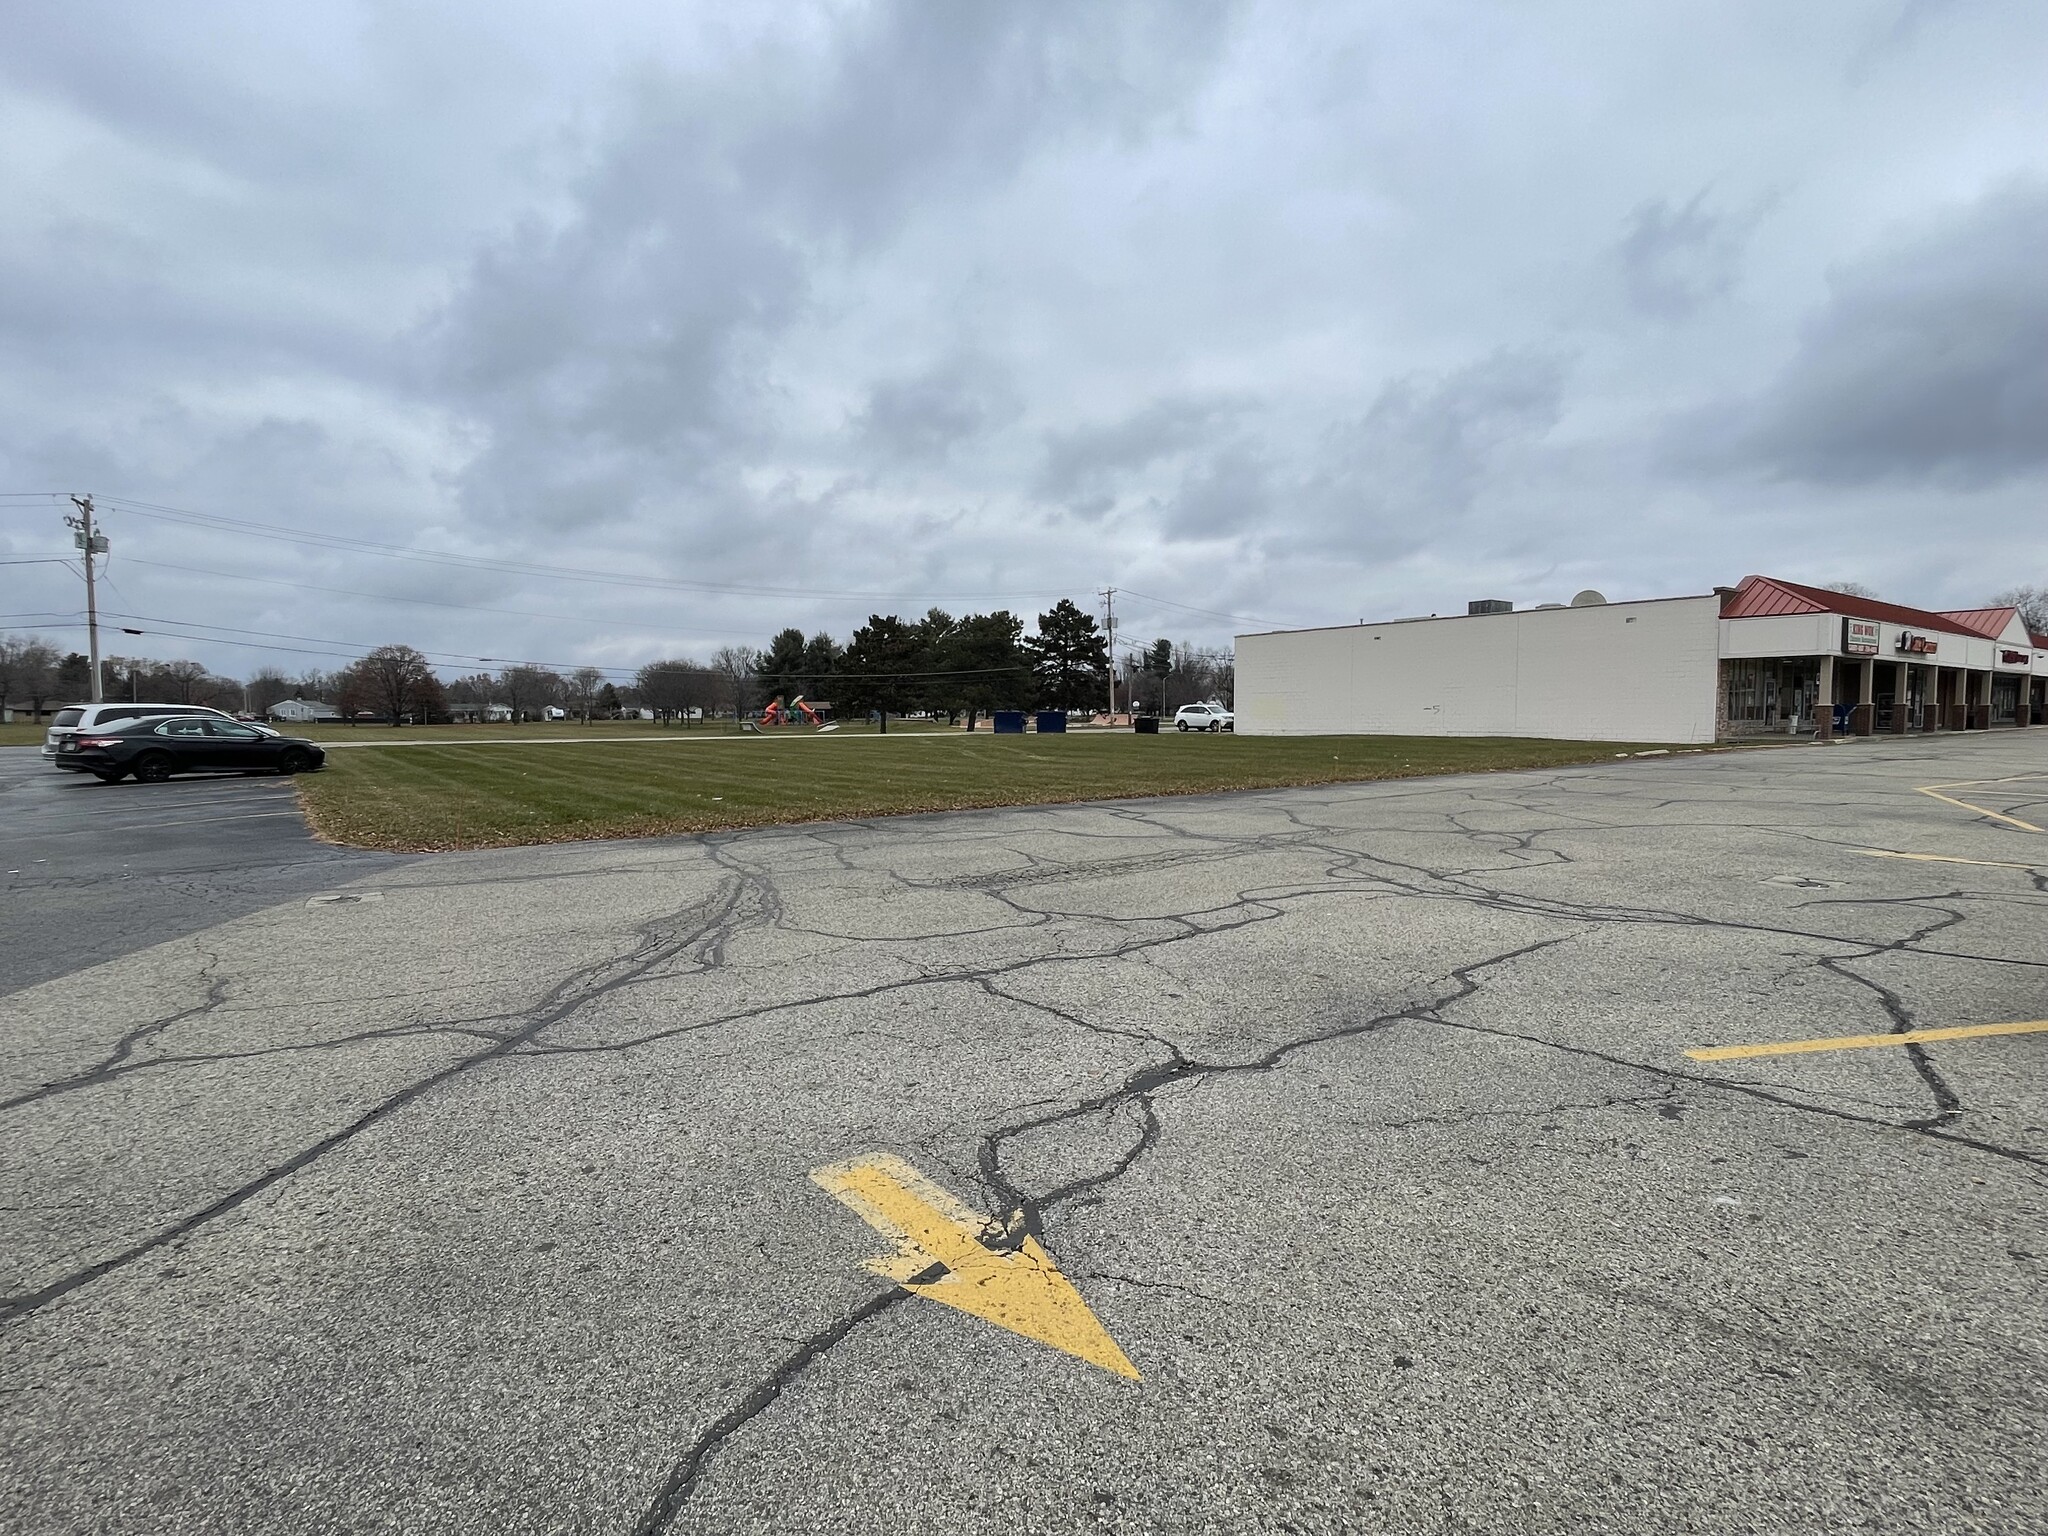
(1770, 695)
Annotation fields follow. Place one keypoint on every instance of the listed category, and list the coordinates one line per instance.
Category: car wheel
(295, 761)
(153, 768)
(1215, 725)
(1180, 725)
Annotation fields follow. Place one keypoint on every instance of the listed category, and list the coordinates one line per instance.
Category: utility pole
(91, 543)
(1109, 613)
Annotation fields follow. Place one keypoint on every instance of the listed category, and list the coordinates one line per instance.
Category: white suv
(89, 717)
(1204, 717)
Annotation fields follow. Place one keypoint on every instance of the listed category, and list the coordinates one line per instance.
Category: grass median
(428, 798)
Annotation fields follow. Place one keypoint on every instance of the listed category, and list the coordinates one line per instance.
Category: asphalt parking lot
(1318, 1160)
(93, 871)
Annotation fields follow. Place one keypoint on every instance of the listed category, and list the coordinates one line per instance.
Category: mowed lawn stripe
(429, 798)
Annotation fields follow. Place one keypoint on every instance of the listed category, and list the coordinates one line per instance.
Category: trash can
(1145, 725)
(1052, 722)
(1008, 722)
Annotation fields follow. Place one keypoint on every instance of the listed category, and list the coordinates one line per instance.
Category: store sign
(1859, 637)
(1919, 645)
(2015, 658)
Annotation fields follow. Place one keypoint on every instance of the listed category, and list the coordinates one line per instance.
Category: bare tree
(395, 680)
(2032, 603)
(584, 683)
(528, 690)
(1850, 589)
(735, 666)
(179, 681)
(673, 688)
(472, 694)
(28, 669)
(268, 687)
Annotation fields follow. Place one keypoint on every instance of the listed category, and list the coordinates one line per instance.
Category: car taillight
(99, 741)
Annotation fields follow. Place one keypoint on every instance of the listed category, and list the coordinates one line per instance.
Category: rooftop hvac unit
(1490, 605)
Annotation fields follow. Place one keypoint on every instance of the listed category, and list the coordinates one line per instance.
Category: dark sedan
(153, 750)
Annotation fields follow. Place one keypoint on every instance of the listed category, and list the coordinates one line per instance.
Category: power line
(1167, 602)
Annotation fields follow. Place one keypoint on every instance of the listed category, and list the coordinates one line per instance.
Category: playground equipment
(779, 713)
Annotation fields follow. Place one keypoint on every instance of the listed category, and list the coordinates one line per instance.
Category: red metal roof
(1988, 622)
(1762, 597)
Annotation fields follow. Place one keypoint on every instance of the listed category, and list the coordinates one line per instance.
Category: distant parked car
(1204, 717)
(154, 749)
(74, 718)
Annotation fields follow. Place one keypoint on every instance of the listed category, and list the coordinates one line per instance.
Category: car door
(231, 744)
(185, 737)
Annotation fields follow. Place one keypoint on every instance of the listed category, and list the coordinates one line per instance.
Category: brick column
(1902, 682)
(1824, 702)
(1980, 708)
(1863, 719)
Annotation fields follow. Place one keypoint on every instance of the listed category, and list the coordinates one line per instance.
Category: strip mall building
(1762, 658)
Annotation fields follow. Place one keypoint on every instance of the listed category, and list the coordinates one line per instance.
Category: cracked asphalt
(1359, 1115)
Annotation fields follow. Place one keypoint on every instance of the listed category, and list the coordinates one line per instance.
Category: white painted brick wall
(1620, 672)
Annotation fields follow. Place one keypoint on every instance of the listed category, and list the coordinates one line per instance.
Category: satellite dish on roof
(1590, 598)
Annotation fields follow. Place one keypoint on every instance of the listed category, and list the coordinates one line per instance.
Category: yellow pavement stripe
(1022, 1291)
(1933, 791)
(1995, 816)
(1861, 1042)
(1939, 858)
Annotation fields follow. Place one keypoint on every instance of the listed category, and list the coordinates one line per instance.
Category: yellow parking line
(1934, 791)
(1860, 1042)
(1939, 858)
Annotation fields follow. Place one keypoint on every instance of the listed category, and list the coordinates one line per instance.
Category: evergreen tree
(781, 667)
(987, 665)
(821, 660)
(875, 669)
(1070, 658)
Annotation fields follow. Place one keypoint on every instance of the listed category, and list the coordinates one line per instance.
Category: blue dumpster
(1008, 722)
(1052, 722)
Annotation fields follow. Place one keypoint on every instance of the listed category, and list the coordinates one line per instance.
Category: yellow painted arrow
(1022, 1291)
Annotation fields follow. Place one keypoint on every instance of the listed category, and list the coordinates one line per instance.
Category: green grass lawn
(422, 798)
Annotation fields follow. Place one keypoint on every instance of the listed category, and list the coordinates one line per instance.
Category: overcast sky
(1302, 313)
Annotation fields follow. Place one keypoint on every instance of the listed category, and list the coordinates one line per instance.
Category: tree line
(37, 674)
(938, 664)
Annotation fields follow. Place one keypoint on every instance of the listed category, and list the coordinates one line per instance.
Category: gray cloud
(921, 416)
(1228, 494)
(1085, 467)
(902, 301)
(1927, 363)
(1677, 259)
(642, 322)
(1402, 474)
